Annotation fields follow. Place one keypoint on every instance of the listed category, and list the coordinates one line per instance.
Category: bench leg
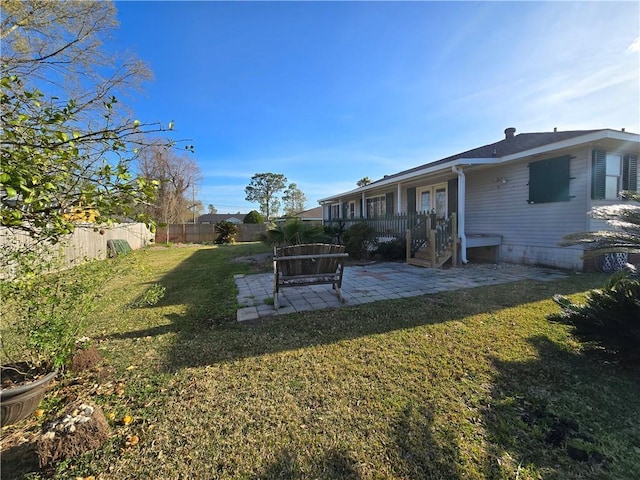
(339, 293)
(276, 302)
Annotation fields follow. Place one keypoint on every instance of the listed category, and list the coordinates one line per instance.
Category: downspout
(461, 212)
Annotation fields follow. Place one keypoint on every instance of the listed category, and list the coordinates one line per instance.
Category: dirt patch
(258, 263)
(85, 359)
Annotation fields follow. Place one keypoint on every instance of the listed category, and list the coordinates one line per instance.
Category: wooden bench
(308, 264)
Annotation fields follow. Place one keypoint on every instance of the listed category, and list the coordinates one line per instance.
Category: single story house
(213, 218)
(312, 216)
(516, 198)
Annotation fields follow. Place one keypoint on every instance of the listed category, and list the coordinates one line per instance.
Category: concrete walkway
(378, 281)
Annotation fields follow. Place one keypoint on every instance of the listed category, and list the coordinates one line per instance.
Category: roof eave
(568, 143)
(416, 173)
(573, 142)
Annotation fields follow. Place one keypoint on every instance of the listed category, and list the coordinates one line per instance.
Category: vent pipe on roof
(509, 132)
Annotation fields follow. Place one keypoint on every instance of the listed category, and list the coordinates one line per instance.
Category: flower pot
(21, 401)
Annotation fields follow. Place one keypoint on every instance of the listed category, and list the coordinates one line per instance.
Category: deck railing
(395, 225)
(421, 231)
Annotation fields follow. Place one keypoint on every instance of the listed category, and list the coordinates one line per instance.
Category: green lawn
(468, 384)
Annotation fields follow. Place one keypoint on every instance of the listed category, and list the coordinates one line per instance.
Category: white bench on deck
(308, 264)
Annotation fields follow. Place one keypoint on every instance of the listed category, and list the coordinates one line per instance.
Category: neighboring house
(518, 196)
(213, 218)
(312, 216)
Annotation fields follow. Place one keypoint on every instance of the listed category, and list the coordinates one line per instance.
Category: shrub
(45, 309)
(610, 318)
(294, 232)
(392, 250)
(335, 231)
(356, 240)
(227, 232)
(253, 217)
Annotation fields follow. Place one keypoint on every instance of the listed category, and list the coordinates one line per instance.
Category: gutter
(462, 187)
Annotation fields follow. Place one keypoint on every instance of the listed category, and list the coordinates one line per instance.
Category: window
(611, 173)
(352, 209)
(335, 211)
(376, 206)
(433, 199)
(549, 180)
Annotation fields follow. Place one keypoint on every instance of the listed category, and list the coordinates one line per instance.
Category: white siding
(530, 232)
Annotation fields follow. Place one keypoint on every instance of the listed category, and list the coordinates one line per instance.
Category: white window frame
(432, 189)
(352, 209)
(380, 203)
(335, 211)
(613, 176)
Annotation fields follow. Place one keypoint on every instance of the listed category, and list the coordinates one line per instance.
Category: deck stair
(431, 243)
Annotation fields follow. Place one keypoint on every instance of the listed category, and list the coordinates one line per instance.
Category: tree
(294, 200)
(363, 182)
(66, 152)
(212, 210)
(253, 217)
(177, 176)
(58, 45)
(52, 173)
(263, 190)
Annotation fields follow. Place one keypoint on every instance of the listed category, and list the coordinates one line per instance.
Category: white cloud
(635, 46)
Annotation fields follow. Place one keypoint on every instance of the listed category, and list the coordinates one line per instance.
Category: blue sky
(329, 92)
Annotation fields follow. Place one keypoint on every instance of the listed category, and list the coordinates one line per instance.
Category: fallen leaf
(131, 367)
(39, 413)
(126, 420)
(132, 440)
(111, 416)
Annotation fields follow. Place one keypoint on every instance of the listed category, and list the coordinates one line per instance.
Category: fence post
(408, 243)
(432, 240)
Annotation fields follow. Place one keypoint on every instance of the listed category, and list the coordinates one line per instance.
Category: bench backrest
(309, 266)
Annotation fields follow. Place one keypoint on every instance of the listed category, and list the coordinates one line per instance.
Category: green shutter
(452, 195)
(389, 205)
(345, 209)
(549, 180)
(411, 200)
(598, 174)
(630, 173)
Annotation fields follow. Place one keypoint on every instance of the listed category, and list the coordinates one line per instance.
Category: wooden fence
(87, 242)
(206, 233)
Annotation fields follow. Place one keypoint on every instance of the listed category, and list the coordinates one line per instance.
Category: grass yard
(470, 384)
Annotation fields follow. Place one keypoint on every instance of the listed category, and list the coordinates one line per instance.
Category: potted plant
(45, 310)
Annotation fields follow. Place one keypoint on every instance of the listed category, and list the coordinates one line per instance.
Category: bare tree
(57, 46)
(178, 175)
